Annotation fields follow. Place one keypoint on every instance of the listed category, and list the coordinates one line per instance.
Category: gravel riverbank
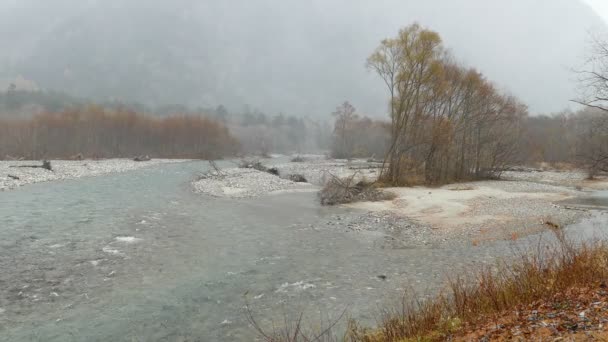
(13, 177)
(244, 183)
(480, 211)
(247, 182)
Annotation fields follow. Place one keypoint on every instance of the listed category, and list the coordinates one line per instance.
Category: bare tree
(594, 77)
(345, 118)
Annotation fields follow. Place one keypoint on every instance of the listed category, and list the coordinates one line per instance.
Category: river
(138, 256)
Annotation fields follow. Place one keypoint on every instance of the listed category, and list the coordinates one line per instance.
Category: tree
(594, 78)
(447, 122)
(594, 83)
(344, 119)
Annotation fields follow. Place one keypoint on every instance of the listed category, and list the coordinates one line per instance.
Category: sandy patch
(447, 207)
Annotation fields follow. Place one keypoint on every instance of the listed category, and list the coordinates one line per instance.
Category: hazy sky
(601, 7)
(291, 56)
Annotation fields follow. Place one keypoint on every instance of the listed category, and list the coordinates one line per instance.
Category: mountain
(301, 57)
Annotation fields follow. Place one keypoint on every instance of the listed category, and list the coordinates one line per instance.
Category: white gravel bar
(245, 183)
(12, 177)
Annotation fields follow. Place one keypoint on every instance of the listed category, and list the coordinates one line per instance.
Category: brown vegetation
(93, 132)
(448, 123)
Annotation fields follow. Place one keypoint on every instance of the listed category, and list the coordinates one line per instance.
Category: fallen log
(45, 165)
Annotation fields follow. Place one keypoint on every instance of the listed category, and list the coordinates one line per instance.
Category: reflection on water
(139, 257)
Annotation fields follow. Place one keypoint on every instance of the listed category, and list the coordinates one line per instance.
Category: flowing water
(138, 256)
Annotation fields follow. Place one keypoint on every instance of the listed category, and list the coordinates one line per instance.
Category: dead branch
(45, 165)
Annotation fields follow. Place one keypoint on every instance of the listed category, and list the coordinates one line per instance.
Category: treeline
(256, 131)
(447, 123)
(95, 132)
(358, 137)
(261, 133)
(569, 139)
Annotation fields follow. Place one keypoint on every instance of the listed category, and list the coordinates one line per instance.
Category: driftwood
(142, 159)
(215, 172)
(13, 177)
(297, 178)
(348, 190)
(45, 165)
(257, 165)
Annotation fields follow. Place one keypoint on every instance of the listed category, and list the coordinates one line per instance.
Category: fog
(298, 57)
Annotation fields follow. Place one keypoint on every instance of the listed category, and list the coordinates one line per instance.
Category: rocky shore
(13, 176)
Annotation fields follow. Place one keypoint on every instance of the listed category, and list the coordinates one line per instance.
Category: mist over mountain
(301, 57)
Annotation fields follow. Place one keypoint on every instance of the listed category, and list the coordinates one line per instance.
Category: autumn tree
(447, 122)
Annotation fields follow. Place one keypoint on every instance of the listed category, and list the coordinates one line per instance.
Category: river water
(138, 256)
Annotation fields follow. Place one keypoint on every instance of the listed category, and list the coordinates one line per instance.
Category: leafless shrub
(348, 190)
(215, 172)
(294, 331)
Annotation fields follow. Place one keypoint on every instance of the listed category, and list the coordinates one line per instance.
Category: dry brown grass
(470, 302)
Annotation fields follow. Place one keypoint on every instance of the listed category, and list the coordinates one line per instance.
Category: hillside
(293, 56)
